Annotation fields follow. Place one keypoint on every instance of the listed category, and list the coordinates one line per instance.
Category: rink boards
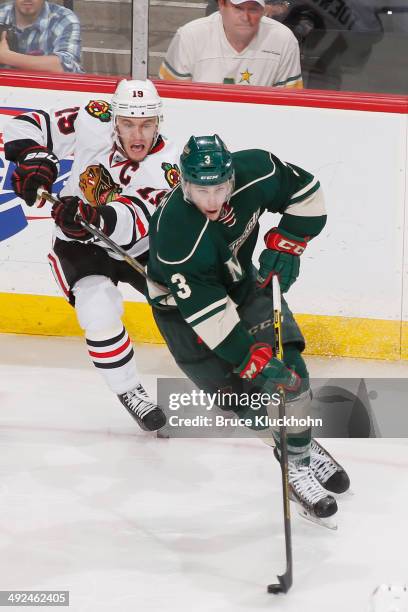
(352, 292)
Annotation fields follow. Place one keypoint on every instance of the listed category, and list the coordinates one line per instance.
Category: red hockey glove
(64, 214)
(261, 364)
(36, 167)
(281, 257)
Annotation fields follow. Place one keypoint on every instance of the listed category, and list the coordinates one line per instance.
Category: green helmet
(206, 161)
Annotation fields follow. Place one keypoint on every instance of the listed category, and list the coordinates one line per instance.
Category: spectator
(46, 37)
(276, 9)
(335, 38)
(238, 44)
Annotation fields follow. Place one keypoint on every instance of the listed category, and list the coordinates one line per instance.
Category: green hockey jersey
(204, 268)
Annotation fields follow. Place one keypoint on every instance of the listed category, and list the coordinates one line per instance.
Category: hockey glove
(281, 257)
(260, 364)
(36, 167)
(64, 214)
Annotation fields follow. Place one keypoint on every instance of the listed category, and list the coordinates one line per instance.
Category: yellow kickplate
(53, 316)
(325, 335)
(404, 340)
(351, 337)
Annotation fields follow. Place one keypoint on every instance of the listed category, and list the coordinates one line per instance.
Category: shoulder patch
(171, 173)
(99, 109)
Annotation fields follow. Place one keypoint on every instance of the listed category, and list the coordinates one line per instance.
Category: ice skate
(330, 474)
(148, 415)
(312, 500)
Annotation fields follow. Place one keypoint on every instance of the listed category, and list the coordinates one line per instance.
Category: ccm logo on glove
(274, 240)
(281, 258)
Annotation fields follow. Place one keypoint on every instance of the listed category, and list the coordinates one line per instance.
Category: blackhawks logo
(98, 186)
(171, 173)
(99, 109)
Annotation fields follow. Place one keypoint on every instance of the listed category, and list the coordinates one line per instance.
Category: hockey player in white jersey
(122, 168)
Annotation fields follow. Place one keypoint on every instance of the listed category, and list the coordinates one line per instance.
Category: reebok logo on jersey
(236, 245)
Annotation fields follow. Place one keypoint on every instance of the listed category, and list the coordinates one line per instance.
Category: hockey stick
(44, 195)
(286, 579)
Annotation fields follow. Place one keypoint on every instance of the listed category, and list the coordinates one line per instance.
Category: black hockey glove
(64, 214)
(36, 167)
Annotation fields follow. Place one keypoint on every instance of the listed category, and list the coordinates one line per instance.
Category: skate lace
(321, 464)
(138, 401)
(305, 484)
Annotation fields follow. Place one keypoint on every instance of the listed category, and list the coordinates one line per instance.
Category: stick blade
(275, 588)
(285, 582)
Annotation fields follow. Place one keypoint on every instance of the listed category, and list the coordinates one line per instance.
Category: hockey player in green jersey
(214, 308)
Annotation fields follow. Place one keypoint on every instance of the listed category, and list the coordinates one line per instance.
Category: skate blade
(345, 495)
(162, 434)
(322, 522)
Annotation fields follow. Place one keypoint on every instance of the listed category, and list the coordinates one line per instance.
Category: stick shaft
(286, 579)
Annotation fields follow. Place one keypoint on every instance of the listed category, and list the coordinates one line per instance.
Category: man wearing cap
(237, 45)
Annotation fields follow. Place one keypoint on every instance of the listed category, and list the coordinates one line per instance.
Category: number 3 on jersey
(184, 290)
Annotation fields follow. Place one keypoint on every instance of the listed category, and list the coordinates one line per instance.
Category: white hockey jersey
(100, 174)
(201, 52)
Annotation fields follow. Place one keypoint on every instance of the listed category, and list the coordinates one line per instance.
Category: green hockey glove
(281, 257)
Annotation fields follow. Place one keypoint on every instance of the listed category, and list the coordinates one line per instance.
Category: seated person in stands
(273, 8)
(335, 37)
(39, 35)
(238, 45)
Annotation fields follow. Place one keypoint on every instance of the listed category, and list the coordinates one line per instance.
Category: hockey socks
(298, 446)
(112, 353)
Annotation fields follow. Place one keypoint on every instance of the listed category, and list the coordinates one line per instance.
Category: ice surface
(127, 522)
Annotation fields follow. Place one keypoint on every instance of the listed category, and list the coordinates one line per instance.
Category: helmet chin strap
(156, 135)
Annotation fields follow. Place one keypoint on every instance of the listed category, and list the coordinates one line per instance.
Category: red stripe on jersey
(113, 353)
(141, 227)
(139, 223)
(123, 199)
(37, 118)
(58, 274)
